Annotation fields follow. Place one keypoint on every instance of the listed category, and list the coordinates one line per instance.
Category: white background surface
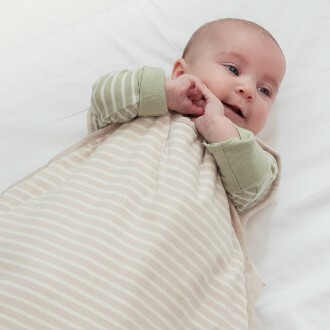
(45, 90)
(23, 21)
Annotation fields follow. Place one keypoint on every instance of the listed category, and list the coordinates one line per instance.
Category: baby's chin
(235, 117)
(243, 124)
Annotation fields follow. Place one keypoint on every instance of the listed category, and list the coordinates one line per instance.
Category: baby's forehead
(253, 47)
(229, 34)
(223, 29)
(217, 34)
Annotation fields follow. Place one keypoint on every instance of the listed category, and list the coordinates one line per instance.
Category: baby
(226, 82)
(140, 225)
(241, 64)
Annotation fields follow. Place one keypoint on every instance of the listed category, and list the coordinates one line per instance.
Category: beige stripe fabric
(131, 229)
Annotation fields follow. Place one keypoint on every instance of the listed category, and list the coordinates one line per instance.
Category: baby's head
(241, 63)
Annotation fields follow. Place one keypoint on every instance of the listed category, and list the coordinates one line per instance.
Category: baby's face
(244, 69)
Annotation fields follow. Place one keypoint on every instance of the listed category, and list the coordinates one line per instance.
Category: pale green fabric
(243, 163)
(152, 93)
(247, 171)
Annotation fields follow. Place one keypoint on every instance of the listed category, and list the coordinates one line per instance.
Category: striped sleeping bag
(131, 228)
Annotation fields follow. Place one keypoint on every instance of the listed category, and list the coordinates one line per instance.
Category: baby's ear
(179, 68)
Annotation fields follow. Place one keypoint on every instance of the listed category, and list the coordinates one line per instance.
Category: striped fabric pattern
(129, 229)
(115, 98)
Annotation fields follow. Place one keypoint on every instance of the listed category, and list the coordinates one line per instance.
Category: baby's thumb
(197, 108)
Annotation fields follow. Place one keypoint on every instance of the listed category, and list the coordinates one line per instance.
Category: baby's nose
(245, 93)
(246, 90)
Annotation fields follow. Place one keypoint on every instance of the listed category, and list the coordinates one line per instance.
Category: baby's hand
(183, 96)
(214, 126)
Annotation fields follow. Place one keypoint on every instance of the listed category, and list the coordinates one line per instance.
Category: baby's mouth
(233, 108)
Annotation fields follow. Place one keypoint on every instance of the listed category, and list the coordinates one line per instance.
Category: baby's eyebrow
(273, 82)
(235, 55)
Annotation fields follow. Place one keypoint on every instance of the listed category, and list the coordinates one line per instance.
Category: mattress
(45, 90)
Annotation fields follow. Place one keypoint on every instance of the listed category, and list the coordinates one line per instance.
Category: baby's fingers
(196, 110)
(213, 104)
(209, 96)
(200, 103)
(195, 94)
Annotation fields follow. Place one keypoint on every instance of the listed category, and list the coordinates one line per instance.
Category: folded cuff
(152, 93)
(242, 162)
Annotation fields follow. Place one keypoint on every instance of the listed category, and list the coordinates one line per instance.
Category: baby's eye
(232, 69)
(265, 91)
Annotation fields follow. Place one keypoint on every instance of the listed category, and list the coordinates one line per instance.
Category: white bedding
(45, 89)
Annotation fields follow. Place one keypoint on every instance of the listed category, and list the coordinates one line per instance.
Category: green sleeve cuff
(242, 162)
(152, 93)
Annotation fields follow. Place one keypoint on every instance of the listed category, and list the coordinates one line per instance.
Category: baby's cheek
(257, 123)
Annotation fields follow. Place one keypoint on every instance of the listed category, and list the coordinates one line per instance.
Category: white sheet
(45, 90)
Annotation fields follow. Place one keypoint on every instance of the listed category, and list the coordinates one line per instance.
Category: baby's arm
(121, 96)
(247, 171)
